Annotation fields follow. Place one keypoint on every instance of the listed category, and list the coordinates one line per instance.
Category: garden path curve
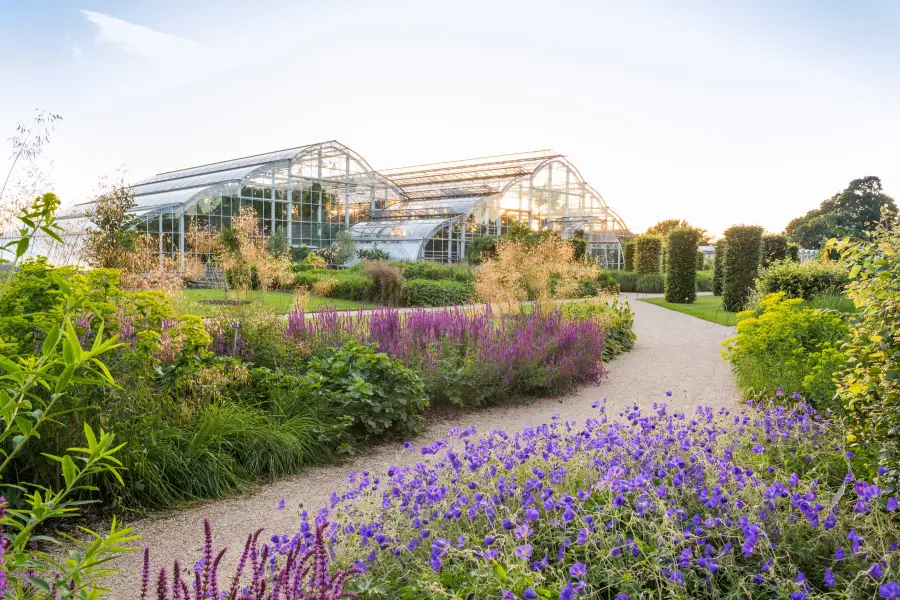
(674, 352)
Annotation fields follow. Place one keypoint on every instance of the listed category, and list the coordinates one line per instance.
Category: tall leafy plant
(719, 267)
(741, 264)
(870, 386)
(647, 254)
(31, 386)
(681, 269)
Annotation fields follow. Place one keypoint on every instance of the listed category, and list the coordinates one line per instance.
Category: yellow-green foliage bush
(616, 319)
(870, 386)
(784, 348)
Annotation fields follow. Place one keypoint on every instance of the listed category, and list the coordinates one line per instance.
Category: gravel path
(674, 352)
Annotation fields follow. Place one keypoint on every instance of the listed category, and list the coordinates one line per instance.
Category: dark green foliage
(387, 283)
(774, 248)
(681, 272)
(628, 248)
(425, 269)
(663, 257)
(741, 265)
(445, 292)
(607, 282)
(299, 254)
(481, 248)
(579, 245)
(588, 288)
(718, 277)
(700, 259)
(354, 286)
(849, 213)
(806, 280)
(632, 282)
(374, 253)
(794, 252)
(647, 254)
(704, 281)
(378, 393)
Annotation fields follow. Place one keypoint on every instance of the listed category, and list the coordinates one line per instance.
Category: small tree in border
(681, 265)
(647, 249)
(700, 259)
(718, 267)
(628, 249)
(741, 264)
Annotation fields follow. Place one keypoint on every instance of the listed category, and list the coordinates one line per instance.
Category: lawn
(280, 302)
(708, 308)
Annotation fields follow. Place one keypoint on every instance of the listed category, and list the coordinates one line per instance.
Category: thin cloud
(139, 40)
(77, 54)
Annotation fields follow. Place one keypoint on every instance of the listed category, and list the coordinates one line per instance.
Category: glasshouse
(429, 212)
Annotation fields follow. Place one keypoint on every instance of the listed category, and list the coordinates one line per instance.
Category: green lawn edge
(708, 308)
(280, 302)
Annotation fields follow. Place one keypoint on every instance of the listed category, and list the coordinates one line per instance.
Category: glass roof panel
(203, 180)
(415, 229)
(255, 160)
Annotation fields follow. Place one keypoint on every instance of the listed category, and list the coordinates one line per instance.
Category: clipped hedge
(806, 280)
(628, 249)
(344, 285)
(774, 248)
(445, 292)
(718, 275)
(741, 265)
(700, 258)
(704, 281)
(647, 250)
(681, 269)
(434, 271)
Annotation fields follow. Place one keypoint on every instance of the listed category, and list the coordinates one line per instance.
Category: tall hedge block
(774, 248)
(700, 258)
(681, 265)
(718, 267)
(647, 250)
(741, 264)
(628, 246)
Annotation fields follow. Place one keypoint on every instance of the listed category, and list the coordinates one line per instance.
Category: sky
(715, 112)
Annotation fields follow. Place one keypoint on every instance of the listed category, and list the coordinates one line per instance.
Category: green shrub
(387, 283)
(647, 249)
(607, 282)
(700, 260)
(425, 269)
(446, 292)
(741, 265)
(378, 393)
(870, 386)
(579, 247)
(374, 253)
(774, 248)
(801, 280)
(482, 248)
(354, 286)
(784, 345)
(663, 257)
(704, 281)
(835, 302)
(794, 252)
(588, 288)
(681, 272)
(617, 320)
(628, 249)
(718, 277)
(651, 284)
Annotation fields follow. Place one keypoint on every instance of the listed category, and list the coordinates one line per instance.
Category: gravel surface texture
(674, 352)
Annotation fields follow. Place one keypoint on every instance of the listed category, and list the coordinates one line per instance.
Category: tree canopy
(662, 228)
(849, 213)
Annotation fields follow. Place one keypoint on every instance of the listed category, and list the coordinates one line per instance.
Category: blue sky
(716, 112)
